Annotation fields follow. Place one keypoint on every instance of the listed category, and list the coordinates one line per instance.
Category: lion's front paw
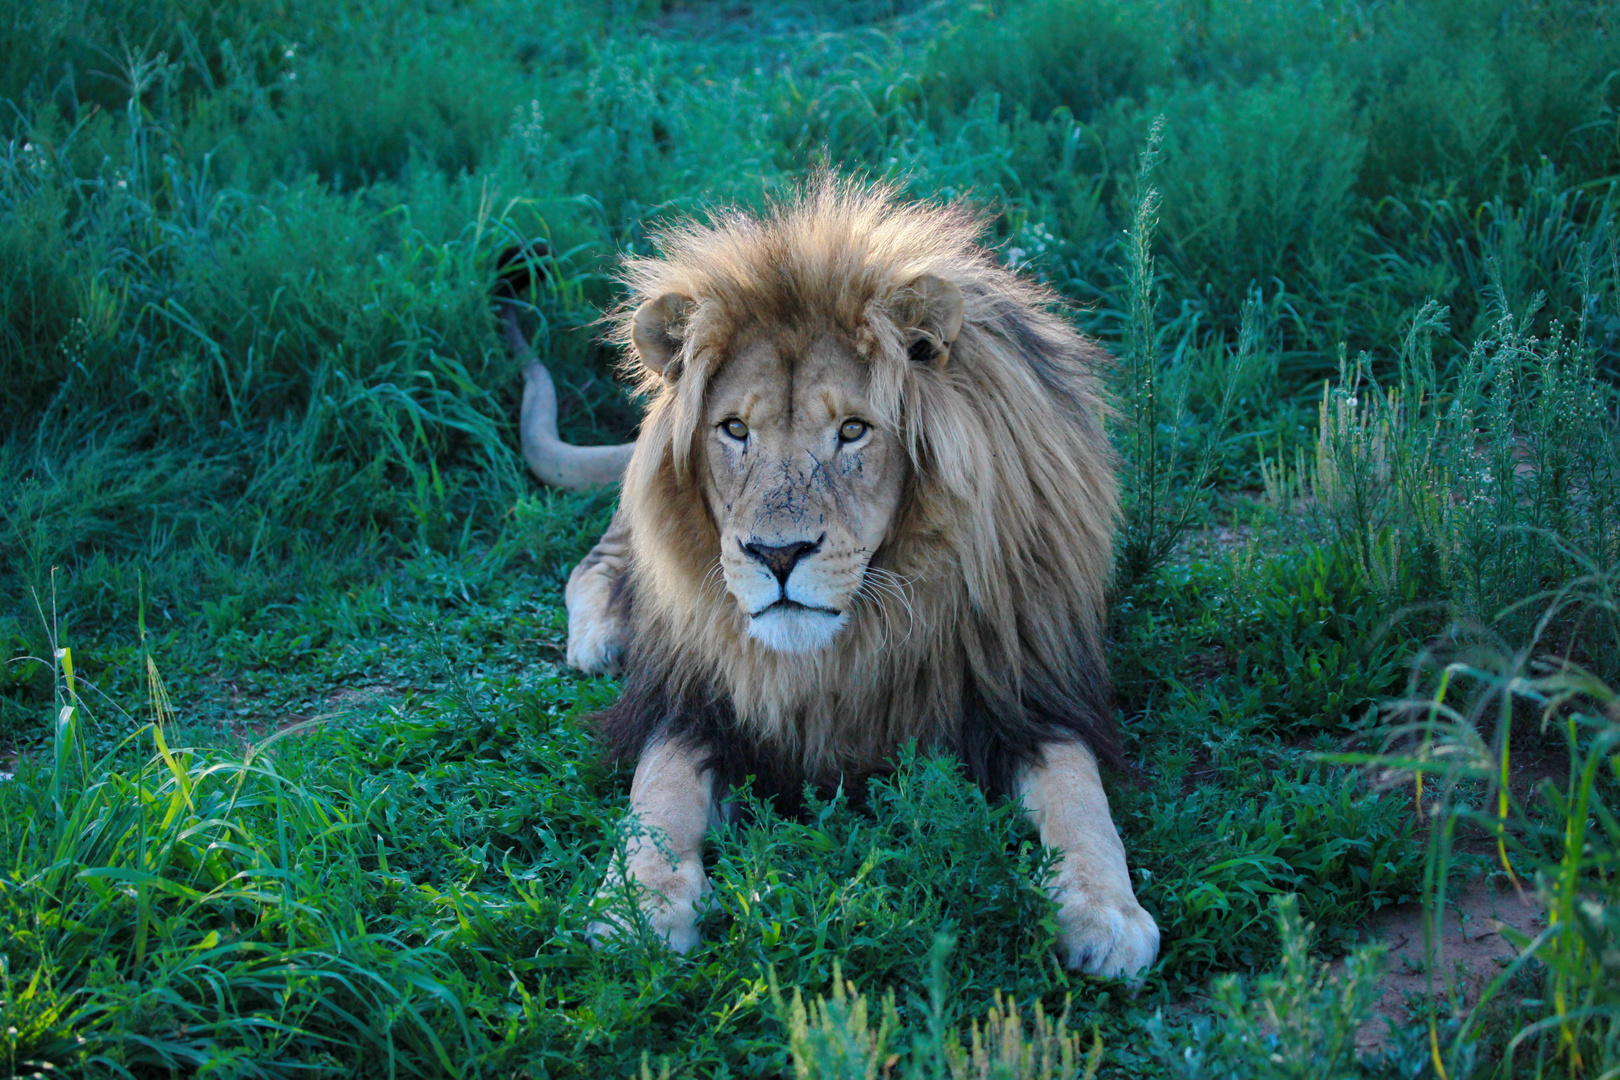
(1105, 935)
(670, 898)
(597, 646)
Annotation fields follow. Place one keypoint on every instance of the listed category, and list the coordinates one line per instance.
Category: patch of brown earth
(1470, 954)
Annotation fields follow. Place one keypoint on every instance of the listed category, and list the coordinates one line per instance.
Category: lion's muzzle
(792, 605)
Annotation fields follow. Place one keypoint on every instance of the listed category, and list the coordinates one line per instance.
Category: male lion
(872, 501)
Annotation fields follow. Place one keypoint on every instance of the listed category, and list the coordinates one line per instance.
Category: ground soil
(1471, 952)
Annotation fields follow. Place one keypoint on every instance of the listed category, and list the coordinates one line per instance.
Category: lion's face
(802, 485)
(800, 474)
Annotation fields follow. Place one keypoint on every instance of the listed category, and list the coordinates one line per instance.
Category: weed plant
(1503, 478)
(1162, 487)
(834, 1038)
(1298, 1023)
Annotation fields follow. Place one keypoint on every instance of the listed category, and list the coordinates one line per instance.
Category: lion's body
(987, 639)
(793, 605)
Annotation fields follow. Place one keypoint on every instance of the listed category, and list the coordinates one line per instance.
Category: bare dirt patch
(1468, 956)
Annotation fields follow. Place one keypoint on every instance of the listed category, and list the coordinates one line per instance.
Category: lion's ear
(930, 313)
(655, 331)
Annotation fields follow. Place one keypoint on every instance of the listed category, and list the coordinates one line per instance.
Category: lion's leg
(598, 611)
(672, 804)
(1104, 930)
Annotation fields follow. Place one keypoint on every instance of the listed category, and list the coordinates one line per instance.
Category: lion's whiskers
(878, 583)
(714, 576)
(873, 600)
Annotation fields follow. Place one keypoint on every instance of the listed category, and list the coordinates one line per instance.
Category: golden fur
(991, 578)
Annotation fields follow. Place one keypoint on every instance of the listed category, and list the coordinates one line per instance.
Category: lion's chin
(796, 630)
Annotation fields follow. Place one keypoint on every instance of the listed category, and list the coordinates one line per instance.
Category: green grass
(302, 785)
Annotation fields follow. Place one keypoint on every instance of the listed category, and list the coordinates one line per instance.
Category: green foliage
(1497, 478)
(257, 429)
(465, 812)
(1079, 55)
(165, 909)
(1315, 635)
(1156, 399)
(833, 1038)
(1555, 1011)
(1461, 91)
(1299, 1024)
(1257, 181)
(1344, 849)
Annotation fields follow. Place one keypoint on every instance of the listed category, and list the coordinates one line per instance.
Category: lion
(872, 501)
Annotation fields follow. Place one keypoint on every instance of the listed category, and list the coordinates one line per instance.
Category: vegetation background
(301, 783)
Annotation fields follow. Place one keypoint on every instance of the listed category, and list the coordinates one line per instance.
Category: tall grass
(1164, 480)
(1555, 1010)
(1501, 478)
(192, 912)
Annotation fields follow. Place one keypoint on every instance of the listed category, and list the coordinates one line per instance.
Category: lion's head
(799, 461)
(871, 490)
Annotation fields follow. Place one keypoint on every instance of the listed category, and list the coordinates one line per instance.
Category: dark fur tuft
(519, 269)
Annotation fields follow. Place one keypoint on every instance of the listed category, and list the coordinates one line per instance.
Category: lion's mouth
(789, 626)
(784, 604)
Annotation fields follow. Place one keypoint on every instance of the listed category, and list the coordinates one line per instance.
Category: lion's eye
(852, 430)
(736, 429)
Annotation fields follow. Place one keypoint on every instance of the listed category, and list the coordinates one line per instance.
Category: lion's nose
(780, 559)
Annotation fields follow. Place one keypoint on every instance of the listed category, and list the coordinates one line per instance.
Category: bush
(1079, 55)
(1299, 1023)
(1257, 183)
(1504, 477)
(1461, 95)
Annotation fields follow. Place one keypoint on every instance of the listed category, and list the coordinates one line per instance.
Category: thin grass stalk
(1141, 358)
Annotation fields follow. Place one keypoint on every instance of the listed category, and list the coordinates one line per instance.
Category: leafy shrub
(1312, 636)
(1505, 478)
(1298, 1023)
(1078, 55)
(1257, 182)
(1217, 865)
(1463, 93)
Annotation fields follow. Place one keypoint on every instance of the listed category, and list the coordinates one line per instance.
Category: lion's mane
(979, 629)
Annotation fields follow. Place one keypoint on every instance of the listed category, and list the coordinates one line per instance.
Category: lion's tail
(555, 462)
